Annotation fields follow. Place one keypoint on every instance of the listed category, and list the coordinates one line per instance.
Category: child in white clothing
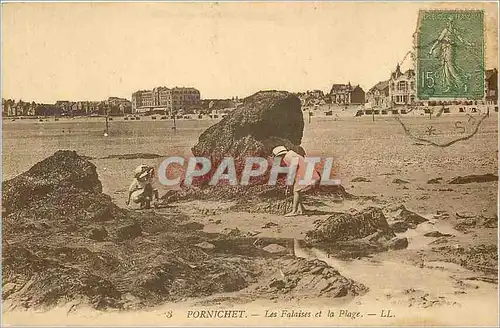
(141, 190)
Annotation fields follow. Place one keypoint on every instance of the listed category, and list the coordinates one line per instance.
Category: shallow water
(393, 282)
(24, 144)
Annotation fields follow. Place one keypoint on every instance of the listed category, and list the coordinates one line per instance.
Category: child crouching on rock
(141, 190)
(299, 187)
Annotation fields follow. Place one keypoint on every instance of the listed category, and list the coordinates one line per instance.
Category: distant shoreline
(333, 113)
(76, 119)
(316, 116)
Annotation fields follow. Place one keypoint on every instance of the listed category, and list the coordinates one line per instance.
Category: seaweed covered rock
(346, 226)
(61, 192)
(63, 170)
(301, 276)
(63, 239)
(353, 235)
(263, 115)
(265, 120)
(248, 196)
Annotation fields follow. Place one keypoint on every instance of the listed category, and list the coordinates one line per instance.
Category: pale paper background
(225, 49)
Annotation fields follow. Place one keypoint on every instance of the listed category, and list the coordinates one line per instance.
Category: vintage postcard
(249, 164)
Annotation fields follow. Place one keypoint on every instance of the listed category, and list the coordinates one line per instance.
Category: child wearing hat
(141, 190)
(299, 187)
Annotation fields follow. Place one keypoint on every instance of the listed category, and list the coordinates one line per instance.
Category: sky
(85, 51)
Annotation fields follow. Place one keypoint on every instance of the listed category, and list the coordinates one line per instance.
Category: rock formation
(265, 120)
(353, 235)
(313, 277)
(64, 240)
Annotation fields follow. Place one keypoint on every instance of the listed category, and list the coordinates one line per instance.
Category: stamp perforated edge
(415, 52)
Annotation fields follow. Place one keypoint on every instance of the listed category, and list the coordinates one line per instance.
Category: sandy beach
(386, 115)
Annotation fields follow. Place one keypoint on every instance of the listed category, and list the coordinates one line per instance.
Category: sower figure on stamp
(141, 190)
(448, 41)
(291, 158)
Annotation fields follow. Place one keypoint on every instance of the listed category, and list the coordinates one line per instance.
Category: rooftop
(380, 85)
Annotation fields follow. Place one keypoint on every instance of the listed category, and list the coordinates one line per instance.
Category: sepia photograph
(249, 163)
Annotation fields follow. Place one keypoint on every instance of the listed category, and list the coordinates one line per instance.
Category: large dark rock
(263, 115)
(63, 170)
(265, 120)
(257, 198)
(400, 226)
(61, 192)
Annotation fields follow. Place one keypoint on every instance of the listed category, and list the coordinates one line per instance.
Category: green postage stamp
(450, 54)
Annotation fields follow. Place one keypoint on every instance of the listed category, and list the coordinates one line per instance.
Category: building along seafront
(171, 100)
